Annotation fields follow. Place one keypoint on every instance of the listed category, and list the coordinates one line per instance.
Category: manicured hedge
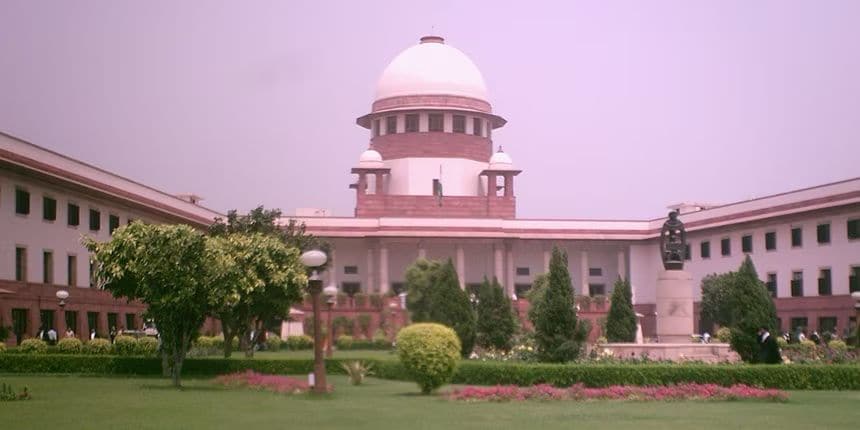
(790, 377)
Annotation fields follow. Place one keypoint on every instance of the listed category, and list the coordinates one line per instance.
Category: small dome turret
(370, 159)
(501, 161)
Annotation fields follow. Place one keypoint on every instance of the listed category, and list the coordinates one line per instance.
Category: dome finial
(500, 149)
(433, 39)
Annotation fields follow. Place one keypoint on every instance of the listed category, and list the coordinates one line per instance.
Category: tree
(621, 319)
(740, 301)
(165, 267)
(557, 334)
(496, 322)
(257, 278)
(435, 296)
(264, 222)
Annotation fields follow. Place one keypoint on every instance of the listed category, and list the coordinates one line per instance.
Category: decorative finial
(500, 149)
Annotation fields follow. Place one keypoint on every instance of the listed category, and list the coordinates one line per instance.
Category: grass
(75, 402)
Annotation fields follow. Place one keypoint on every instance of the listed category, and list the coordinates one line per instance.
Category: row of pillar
(503, 265)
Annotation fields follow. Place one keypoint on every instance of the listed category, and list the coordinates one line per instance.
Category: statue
(673, 241)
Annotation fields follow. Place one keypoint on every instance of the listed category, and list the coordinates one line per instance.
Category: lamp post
(331, 293)
(313, 260)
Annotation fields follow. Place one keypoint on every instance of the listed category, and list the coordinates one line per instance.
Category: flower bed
(261, 381)
(579, 392)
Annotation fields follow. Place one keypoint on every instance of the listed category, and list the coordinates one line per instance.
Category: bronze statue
(673, 241)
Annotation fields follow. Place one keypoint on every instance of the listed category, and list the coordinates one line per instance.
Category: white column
(371, 281)
(583, 259)
(461, 266)
(332, 269)
(547, 255)
(498, 263)
(422, 253)
(622, 264)
(509, 275)
(384, 286)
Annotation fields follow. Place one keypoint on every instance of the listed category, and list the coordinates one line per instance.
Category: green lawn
(75, 402)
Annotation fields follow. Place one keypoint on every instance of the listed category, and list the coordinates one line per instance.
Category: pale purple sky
(608, 103)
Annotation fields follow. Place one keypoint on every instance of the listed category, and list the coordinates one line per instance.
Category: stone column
(332, 269)
(583, 266)
(622, 264)
(371, 280)
(361, 188)
(422, 252)
(60, 322)
(491, 185)
(509, 275)
(103, 327)
(498, 263)
(547, 256)
(461, 266)
(384, 285)
(378, 190)
(509, 185)
(35, 321)
(82, 331)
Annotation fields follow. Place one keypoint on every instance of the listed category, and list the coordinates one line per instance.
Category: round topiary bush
(97, 347)
(430, 353)
(125, 345)
(724, 334)
(209, 342)
(838, 345)
(297, 343)
(273, 342)
(147, 346)
(781, 342)
(70, 345)
(344, 342)
(2, 347)
(33, 346)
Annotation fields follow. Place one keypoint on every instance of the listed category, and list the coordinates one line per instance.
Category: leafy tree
(740, 301)
(266, 222)
(435, 296)
(257, 278)
(557, 334)
(621, 319)
(496, 321)
(165, 267)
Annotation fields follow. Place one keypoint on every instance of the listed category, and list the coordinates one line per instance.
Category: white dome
(370, 159)
(431, 68)
(501, 161)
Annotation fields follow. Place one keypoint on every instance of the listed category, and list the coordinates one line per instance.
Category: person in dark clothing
(768, 348)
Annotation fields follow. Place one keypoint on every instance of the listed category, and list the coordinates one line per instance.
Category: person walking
(768, 348)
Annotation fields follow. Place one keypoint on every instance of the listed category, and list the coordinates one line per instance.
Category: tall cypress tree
(750, 307)
(496, 320)
(557, 335)
(439, 298)
(621, 319)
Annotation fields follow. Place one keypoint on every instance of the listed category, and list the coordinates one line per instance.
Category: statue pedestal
(674, 306)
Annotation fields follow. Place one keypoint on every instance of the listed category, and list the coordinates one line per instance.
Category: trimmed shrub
(344, 342)
(209, 342)
(33, 346)
(838, 345)
(147, 346)
(621, 319)
(724, 334)
(430, 353)
(2, 347)
(781, 342)
(273, 342)
(125, 345)
(380, 340)
(298, 343)
(70, 345)
(97, 346)
(558, 336)
(342, 325)
(376, 301)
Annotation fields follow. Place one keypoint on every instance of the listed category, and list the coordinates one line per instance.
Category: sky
(615, 109)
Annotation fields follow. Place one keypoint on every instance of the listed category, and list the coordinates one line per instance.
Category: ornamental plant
(147, 346)
(97, 347)
(430, 354)
(344, 342)
(2, 347)
(125, 345)
(558, 337)
(496, 321)
(621, 319)
(297, 343)
(357, 371)
(578, 392)
(33, 346)
(273, 342)
(70, 345)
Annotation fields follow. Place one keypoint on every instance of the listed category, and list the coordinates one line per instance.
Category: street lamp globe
(330, 291)
(62, 294)
(313, 258)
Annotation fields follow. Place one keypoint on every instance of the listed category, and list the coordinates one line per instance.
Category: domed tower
(430, 141)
